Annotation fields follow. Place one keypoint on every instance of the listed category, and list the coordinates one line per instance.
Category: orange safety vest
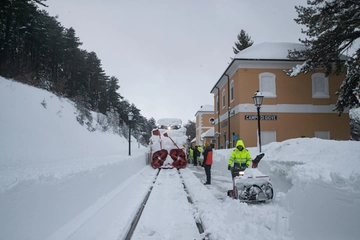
(209, 158)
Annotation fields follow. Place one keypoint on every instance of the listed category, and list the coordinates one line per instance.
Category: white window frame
(322, 134)
(232, 95)
(320, 85)
(223, 97)
(267, 84)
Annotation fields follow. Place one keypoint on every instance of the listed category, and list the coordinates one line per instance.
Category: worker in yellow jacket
(240, 157)
(200, 150)
(191, 155)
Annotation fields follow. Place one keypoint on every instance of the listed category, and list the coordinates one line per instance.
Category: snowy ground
(60, 181)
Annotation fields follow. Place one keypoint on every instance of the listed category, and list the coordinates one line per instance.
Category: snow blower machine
(168, 144)
(250, 185)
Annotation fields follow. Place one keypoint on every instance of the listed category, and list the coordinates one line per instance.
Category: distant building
(204, 128)
(293, 107)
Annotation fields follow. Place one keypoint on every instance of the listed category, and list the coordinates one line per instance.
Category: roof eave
(249, 59)
(212, 90)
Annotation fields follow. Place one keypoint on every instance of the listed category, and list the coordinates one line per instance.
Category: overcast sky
(168, 54)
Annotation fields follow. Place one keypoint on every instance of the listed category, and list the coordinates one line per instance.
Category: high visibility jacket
(191, 152)
(200, 150)
(238, 156)
(208, 156)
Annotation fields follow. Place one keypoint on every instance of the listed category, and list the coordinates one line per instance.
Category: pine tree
(73, 61)
(151, 124)
(146, 127)
(113, 96)
(190, 129)
(332, 29)
(244, 41)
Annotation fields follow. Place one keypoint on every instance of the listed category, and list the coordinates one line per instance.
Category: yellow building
(293, 107)
(204, 118)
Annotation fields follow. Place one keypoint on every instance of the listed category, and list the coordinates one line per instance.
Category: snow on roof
(208, 133)
(169, 121)
(262, 51)
(206, 108)
(269, 50)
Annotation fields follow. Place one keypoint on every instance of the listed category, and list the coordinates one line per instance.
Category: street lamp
(130, 118)
(258, 99)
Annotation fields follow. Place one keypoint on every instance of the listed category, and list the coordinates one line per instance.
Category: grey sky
(168, 54)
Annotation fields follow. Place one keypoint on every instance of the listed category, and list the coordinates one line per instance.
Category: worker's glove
(229, 167)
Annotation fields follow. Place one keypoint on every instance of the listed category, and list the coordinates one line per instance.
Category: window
(223, 98)
(322, 134)
(232, 91)
(267, 84)
(320, 86)
(268, 137)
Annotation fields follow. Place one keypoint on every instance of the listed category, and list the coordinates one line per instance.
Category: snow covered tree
(333, 27)
(190, 129)
(146, 130)
(355, 124)
(244, 41)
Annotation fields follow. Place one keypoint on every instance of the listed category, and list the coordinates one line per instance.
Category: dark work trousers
(233, 173)
(195, 161)
(208, 173)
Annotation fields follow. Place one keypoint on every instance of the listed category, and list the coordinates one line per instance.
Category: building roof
(265, 51)
(205, 108)
(269, 50)
(208, 133)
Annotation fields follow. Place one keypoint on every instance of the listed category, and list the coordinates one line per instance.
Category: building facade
(293, 107)
(204, 118)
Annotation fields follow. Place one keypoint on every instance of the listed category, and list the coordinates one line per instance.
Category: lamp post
(130, 118)
(217, 135)
(258, 99)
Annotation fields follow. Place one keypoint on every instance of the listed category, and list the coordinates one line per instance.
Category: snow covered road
(167, 214)
(227, 218)
(109, 217)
